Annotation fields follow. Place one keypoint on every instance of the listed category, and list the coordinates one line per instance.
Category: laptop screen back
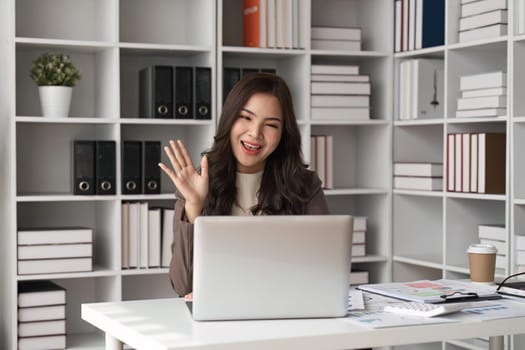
(264, 267)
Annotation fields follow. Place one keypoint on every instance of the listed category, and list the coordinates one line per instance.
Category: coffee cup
(482, 262)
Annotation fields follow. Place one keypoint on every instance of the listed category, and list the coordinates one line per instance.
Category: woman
(255, 167)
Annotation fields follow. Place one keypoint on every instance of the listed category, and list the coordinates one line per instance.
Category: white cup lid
(479, 248)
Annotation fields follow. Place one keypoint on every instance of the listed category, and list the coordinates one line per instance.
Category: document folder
(439, 291)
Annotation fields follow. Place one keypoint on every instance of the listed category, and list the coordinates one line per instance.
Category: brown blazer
(181, 265)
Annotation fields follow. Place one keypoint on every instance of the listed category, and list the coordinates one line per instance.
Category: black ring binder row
(175, 92)
(231, 75)
(94, 167)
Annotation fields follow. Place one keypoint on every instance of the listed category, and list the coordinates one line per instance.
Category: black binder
(151, 170)
(132, 167)
(84, 167)
(156, 92)
(184, 92)
(105, 167)
(202, 93)
(230, 77)
(246, 71)
(268, 70)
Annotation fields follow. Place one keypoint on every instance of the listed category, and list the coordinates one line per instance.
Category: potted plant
(55, 74)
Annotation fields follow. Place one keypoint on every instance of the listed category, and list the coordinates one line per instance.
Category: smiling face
(256, 133)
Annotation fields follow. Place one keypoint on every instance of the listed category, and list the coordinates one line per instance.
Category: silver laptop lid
(263, 267)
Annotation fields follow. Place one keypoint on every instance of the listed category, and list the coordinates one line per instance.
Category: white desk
(167, 324)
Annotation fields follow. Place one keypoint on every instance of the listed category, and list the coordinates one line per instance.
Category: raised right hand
(192, 185)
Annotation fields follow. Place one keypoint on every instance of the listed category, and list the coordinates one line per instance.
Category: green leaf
(54, 69)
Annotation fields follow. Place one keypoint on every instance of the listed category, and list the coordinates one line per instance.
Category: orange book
(250, 24)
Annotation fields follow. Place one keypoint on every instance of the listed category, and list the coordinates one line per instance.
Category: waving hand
(192, 185)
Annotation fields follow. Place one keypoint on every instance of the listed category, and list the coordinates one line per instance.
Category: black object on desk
(515, 289)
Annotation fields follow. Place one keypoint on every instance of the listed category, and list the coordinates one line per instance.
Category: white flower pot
(55, 100)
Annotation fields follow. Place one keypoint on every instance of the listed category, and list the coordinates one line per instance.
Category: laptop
(271, 267)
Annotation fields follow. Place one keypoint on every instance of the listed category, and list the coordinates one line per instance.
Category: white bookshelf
(110, 41)
(362, 157)
(432, 230)
(362, 175)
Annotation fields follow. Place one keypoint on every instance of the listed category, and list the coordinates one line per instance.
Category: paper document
(492, 310)
(438, 291)
(373, 315)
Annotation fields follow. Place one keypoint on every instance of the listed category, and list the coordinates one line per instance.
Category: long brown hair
(286, 181)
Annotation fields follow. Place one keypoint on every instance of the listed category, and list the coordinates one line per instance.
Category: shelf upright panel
(8, 298)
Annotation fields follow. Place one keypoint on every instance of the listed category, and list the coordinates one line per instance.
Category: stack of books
(359, 236)
(358, 276)
(322, 158)
(336, 38)
(421, 89)
(482, 19)
(340, 92)
(147, 234)
(476, 162)
(55, 251)
(482, 95)
(418, 176)
(41, 315)
(495, 235)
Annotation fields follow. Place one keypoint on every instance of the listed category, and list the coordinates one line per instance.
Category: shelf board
(369, 259)
(68, 197)
(518, 38)
(97, 272)
(478, 43)
(418, 193)
(436, 51)
(258, 52)
(371, 122)
(500, 273)
(477, 120)
(419, 261)
(518, 119)
(62, 197)
(468, 344)
(71, 120)
(149, 271)
(492, 197)
(74, 45)
(419, 122)
(150, 48)
(369, 54)
(355, 191)
(458, 269)
(161, 121)
(145, 197)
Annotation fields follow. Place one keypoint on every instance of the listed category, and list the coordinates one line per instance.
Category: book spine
(466, 162)
(433, 23)
(451, 187)
(251, 25)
